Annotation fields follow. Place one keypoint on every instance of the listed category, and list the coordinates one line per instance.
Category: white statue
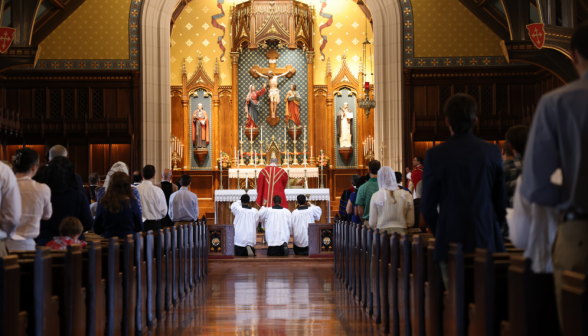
(344, 122)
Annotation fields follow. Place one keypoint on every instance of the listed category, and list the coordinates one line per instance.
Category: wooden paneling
(79, 155)
(224, 125)
(342, 183)
(123, 102)
(177, 114)
(202, 185)
(110, 103)
(322, 128)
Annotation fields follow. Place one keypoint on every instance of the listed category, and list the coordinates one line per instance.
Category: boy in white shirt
(277, 222)
(246, 219)
(301, 217)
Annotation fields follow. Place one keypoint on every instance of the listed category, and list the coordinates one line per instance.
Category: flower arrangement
(323, 160)
(225, 159)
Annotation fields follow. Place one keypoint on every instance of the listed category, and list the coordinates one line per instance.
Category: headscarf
(386, 181)
(117, 167)
(249, 94)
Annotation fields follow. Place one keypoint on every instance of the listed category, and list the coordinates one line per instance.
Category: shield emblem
(537, 34)
(6, 37)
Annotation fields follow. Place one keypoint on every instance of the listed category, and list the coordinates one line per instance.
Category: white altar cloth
(294, 172)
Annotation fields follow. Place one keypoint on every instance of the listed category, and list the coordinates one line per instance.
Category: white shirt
(183, 206)
(245, 223)
(36, 205)
(277, 224)
(152, 201)
(10, 202)
(300, 221)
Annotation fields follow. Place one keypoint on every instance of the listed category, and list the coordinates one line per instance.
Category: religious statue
(274, 92)
(344, 120)
(293, 108)
(252, 106)
(200, 138)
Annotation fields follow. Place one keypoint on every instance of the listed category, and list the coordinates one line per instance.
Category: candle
(246, 181)
(306, 184)
(182, 151)
(310, 151)
(239, 161)
(241, 133)
(251, 133)
(255, 158)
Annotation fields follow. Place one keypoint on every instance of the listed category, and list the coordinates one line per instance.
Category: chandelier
(367, 104)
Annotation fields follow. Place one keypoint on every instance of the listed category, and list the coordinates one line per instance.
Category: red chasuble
(272, 181)
(417, 175)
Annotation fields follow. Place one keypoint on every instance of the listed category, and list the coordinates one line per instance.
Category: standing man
(277, 222)
(556, 162)
(245, 223)
(365, 192)
(464, 198)
(301, 217)
(272, 181)
(183, 204)
(415, 176)
(152, 200)
(10, 206)
(168, 189)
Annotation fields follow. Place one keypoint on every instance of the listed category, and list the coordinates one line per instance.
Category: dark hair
(185, 180)
(24, 160)
(461, 110)
(420, 159)
(148, 172)
(70, 227)
(60, 175)
(119, 191)
(579, 40)
(301, 199)
(398, 177)
(506, 148)
(245, 198)
(355, 180)
(137, 176)
(375, 166)
(277, 200)
(94, 178)
(517, 137)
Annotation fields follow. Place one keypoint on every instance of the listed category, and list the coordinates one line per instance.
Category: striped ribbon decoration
(215, 24)
(327, 24)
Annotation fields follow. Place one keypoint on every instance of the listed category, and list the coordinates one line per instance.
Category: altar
(224, 198)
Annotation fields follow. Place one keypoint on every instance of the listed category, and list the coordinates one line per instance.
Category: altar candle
(241, 133)
(255, 158)
(251, 133)
(310, 151)
(306, 184)
(239, 161)
(322, 158)
(246, 181)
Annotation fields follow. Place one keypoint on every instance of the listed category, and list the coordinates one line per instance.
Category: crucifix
(272, 74)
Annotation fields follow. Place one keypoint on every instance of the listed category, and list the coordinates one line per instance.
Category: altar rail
(488, 293)
(111, 287)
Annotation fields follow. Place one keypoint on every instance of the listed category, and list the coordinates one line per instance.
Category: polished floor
(268, 299)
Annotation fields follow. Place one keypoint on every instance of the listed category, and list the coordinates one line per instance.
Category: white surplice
(300, 221)
(277, 224)
(245, 223)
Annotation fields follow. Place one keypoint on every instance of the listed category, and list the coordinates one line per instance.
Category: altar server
(277, 222)
(246, 219)
(301, 217)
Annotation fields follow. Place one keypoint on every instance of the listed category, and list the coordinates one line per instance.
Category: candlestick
(310, 151)
(241, 133)
(239, 160)
(251, 133)
(261, 134)
(255, 159)
(235, 152)
(238, 179)
(246, 181)
(221, 170)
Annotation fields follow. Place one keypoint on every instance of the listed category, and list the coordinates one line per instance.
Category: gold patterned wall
(446, 28)
(98, 29)
(194, 34)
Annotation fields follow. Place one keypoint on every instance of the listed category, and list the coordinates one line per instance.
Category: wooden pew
(364, 267)
(368, 297)
(336, 257)
(433, 294)
(393, 264)
(197, 251)
(140, 264)
(343, 251)
(404, 270)
(532, 308)
(384, 307)
(375, 311)
(490, 305)
(13, 321)
(352, 260)
(174, 264)
(152, 277)
(186, 259)
(66, 274)
(417, 283)
(460, 291)
(113, 277)
(94, 283)
(358, 263)
(191, 255)
(160, 271)
(129, 287)
(169, 279)
(205, 241)
(574, 298)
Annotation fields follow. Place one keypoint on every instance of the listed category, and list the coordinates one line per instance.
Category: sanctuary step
(264, 260)
(261, 249)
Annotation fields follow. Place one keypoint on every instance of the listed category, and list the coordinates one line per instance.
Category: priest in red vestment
(272, 181)
(416, 176)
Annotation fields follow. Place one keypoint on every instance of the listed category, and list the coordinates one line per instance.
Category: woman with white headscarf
(117, 167)
(391, 208)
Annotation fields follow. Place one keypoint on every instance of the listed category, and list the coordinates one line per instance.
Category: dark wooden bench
(93, 281)
(460, 291)
(418, 279)
(375, 275)
(404, 270)
(129, 286)
(433, 294)
(393, 264)
(111, 273)
(383, 304)
(13, 321)
(357, 290)
(174, 264)
(365, 261)
(574, 299)
(368, 298)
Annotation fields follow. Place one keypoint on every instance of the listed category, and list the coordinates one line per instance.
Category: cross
(4, 39)
(537, 35)
(272, 55)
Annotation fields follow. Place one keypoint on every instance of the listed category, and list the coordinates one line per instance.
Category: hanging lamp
(367, 104)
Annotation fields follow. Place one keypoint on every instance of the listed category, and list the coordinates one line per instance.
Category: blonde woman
(391, 208)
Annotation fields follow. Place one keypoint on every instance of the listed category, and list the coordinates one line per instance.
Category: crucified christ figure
(274, 93)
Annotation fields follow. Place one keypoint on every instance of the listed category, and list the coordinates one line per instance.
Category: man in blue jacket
(464, 197)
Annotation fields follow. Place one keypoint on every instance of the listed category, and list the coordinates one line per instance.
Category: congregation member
(91, 190)
(10, 206)
(118, 213)
(556, 162)
(60, 151)
(246, 219)
(277, 222)
(70, 230)
(35, 200)
(301, 217)
(66, 199)
(153, 203)
(357, 182)
(137, 178)
(391, 208)
(415, 176)
(183, 204)
(512, 152)
(168, 189)
(399, 181)
(464, 198)
(344, 200)
(117, 167)
(365, 192)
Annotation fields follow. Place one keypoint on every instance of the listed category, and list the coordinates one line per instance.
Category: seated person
(301, 217)
(245, 223)
(118, 213)
(277, 222)
(70, 230)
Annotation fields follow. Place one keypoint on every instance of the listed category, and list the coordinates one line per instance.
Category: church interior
(221, 91)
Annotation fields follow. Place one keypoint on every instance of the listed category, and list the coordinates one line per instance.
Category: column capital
(309, 57)
(235, 57)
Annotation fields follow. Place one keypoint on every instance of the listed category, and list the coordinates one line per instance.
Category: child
(69, 231)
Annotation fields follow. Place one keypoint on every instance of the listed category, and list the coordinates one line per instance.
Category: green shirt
(364, 195)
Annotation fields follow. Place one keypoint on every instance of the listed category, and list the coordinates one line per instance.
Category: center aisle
(290, 297)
